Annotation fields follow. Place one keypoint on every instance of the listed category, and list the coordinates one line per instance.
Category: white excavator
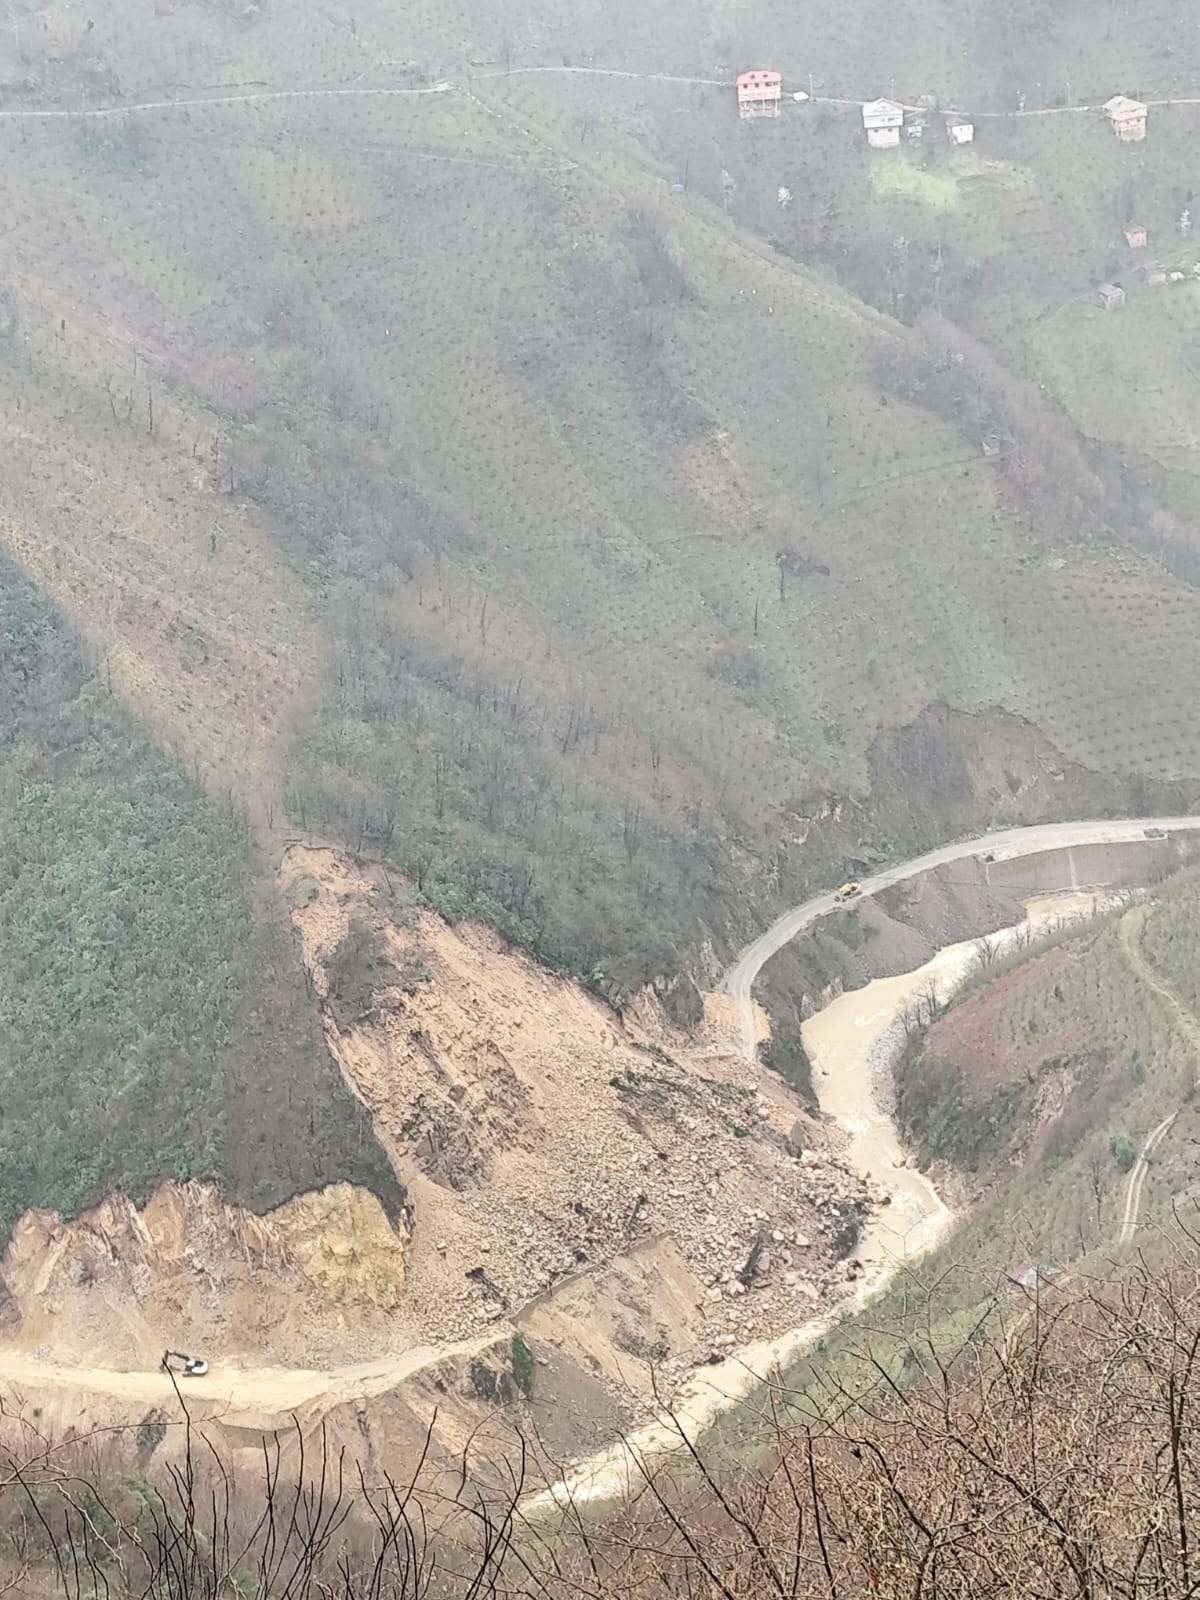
(186, 1366)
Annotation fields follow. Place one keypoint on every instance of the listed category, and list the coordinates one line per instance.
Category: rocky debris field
(540, 1137)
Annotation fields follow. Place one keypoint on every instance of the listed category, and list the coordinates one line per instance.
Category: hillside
(1041, 1086)
(562, 610)
(147, 1001)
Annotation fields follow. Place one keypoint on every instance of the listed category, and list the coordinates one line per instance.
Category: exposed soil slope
(539, 1136)
(319, 1278)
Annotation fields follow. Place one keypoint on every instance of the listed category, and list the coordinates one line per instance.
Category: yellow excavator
(848, 891)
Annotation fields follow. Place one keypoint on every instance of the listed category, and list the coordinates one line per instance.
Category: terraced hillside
(429, 476)
(1041, 1086)
(570, 585)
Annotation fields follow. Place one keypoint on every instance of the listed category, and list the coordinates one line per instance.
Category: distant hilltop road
(1004, 845)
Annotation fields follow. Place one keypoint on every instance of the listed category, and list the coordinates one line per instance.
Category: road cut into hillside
(1008, 845)
(851, 1041)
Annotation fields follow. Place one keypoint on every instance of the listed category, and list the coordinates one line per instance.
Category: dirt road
(1137, 1179)
(266, 1398)
(1003, 846)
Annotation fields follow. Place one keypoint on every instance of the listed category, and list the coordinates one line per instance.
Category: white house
(960, 130)
(883, 120)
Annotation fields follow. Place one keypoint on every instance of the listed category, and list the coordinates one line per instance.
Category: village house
(1136, 238)
(1112, 296)
(1031, 1276)
(960, 130)
(1127, 116)
(883, 120)
(759, 94)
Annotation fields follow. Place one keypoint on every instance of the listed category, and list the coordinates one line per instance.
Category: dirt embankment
(321, 1276)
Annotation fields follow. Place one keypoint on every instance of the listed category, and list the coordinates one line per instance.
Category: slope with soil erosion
(541, 1138)
(587, 1195)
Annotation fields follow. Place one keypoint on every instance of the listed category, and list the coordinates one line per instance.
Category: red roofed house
(759, 94)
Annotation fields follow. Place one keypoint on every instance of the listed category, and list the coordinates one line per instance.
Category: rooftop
(882, 108)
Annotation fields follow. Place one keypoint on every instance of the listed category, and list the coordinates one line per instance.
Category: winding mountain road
(1004, 845)
(263, 1398)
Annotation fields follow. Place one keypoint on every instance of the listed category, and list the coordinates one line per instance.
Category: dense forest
(134, 967)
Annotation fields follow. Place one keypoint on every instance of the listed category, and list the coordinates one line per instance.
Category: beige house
(1128, 117)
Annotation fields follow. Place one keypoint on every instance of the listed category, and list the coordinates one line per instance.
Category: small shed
(1136, 238)
(883, 120)
(960, 130)
(1128, 117)
(1111, 295)
(759, 94)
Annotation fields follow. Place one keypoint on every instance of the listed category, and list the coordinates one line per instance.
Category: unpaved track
(355, 91)
(250, 1397)
(1003, 846)
(1185, 1024)
(1183, 1020)
(1137, 1179)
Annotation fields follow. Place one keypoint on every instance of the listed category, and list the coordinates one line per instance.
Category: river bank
(853, 1043)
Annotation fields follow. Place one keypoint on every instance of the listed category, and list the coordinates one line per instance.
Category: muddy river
(852, 1043)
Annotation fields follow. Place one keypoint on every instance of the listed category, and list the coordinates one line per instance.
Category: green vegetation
(1085, 1058)
(117, 146)
(143, 999)
(123, 903)
(522, 1365)
(897, 174)
(1124, 1151)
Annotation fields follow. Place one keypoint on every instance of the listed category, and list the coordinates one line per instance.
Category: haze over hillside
(486, 530)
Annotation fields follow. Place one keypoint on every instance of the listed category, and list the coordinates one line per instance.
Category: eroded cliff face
(320, 1275)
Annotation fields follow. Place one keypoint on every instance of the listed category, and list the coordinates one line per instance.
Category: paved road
(1004, 846)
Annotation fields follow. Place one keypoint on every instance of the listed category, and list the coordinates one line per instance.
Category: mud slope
(541, 1139)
